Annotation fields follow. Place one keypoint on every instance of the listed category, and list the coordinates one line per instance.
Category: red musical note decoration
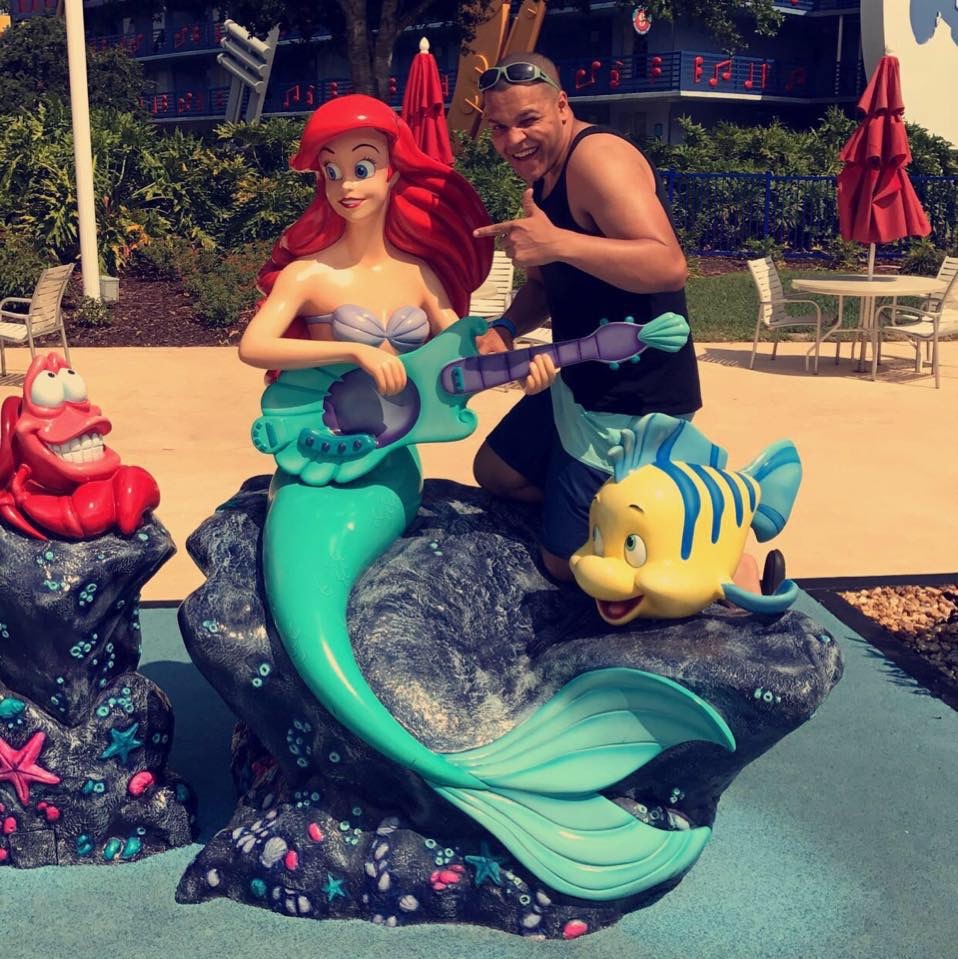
(615, 75)
(333, 88)
(161, 104)
(655, 67)
(291, 96)
(310, 94)
(796, 78)
(392, 87)
(581, 82)
(185, 103)
(726, 73)
(697, 69)
(763, 76)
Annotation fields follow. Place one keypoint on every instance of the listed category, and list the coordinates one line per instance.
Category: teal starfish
(333, 887)
(487, 866)
(122, 744)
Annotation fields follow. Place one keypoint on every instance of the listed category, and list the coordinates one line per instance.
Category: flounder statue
(346, 488)
(668, 530)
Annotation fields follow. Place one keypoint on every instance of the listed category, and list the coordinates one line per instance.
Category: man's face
(527, 122)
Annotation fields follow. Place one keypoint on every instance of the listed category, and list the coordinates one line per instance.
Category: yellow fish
(667, 531)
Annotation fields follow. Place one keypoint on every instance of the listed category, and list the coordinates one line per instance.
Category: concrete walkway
(881, 459)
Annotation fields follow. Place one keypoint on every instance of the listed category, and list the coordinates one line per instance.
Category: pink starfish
(19, 766)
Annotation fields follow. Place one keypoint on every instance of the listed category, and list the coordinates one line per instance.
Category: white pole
(871, 260)
(82, 150)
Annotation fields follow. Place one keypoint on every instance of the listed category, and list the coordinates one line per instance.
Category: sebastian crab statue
(56, 474)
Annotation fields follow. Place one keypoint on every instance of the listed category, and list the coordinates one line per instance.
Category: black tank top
(660, 382)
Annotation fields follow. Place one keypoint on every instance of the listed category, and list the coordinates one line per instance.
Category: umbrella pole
(869, 305)
(871, 260)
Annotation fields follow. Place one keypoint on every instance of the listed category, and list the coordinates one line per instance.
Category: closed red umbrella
(876, 201)
(422, 106)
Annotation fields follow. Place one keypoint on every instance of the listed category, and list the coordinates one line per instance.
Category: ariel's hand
(385, 368)
(542, 374)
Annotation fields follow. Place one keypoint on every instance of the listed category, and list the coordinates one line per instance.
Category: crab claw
(13, 517)
(134, 493)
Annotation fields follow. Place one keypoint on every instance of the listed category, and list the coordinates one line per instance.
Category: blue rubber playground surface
(839, 842)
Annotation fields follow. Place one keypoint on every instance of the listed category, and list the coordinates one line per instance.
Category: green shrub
(91, 313)
(165, 258)
(224, 287)
(844, 255)
(501, 190)
(922, 258)
(20, 265)
(765, 246)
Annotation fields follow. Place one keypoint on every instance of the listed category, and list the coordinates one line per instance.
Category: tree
(33, 65)
(367, 30)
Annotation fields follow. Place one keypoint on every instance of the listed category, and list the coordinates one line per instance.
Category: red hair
(432, 209)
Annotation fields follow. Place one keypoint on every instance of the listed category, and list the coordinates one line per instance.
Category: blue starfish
(333, 887)
(122, 744)
(487, 866)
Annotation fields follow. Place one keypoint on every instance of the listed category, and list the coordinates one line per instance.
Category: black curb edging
(899, 653)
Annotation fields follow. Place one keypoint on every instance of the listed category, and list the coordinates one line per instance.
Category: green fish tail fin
(778, 472)
(543, 779)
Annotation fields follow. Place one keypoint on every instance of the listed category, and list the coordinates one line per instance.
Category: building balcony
(819, 7)
(665, 75)
(682, 73)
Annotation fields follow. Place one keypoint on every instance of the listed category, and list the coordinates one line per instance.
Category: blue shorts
(527, 440)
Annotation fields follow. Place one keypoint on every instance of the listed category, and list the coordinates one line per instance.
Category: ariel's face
(356, 168)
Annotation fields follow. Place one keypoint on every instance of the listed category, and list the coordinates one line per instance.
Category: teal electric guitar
(331, 424)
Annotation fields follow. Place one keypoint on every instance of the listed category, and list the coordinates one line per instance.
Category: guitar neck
(476, 373)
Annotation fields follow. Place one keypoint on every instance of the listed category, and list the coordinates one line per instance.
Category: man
(596, 242)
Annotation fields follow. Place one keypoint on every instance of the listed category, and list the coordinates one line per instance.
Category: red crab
(55, 470)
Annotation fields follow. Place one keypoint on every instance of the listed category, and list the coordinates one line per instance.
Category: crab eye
(364, 169)
(74, 388)
(332, 172)
(635, 554)
(47, 390)
(597, 545)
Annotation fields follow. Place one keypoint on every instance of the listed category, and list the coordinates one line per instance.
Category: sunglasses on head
(514, 73)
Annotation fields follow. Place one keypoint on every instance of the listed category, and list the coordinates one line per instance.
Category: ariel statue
(363, 296)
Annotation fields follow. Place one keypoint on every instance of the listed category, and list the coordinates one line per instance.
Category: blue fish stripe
(784, 457)
(691, 501)
(773, 516)
(752, 487)
(736, 495)
(714, 456)
(715, 495)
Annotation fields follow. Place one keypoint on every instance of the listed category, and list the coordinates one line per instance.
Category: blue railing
(203, 35)
(817, 6)
(708, 74)
(733, 214)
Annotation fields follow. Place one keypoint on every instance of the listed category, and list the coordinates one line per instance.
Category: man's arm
(528, 310)
(610, 185)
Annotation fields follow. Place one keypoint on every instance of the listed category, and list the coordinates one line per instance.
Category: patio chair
(42, 315)
(495, 294)
(925, 324)
(772, 313)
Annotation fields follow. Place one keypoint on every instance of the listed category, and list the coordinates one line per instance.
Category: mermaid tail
(536, 789)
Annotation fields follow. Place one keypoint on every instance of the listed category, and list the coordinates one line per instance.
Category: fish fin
(656, 435)
(587, 847)
(778, 602)
(778, 472)
(668, 332)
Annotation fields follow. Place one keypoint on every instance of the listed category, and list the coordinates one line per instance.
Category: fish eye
(635, 553)
(597, 545)
(74, 388)
(47, 390)
(364, 169)
(332, 172)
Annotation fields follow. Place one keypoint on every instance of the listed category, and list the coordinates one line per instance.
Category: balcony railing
(707, 74)
(165, 41)
(817, 6)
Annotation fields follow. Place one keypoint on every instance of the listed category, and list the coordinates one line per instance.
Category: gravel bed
(925, 618)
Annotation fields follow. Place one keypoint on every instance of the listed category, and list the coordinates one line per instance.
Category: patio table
(867, 290)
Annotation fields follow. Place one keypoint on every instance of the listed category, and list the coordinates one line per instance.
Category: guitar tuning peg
(613, 366)
(635, 359)
(603, 322)
(630, 319)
